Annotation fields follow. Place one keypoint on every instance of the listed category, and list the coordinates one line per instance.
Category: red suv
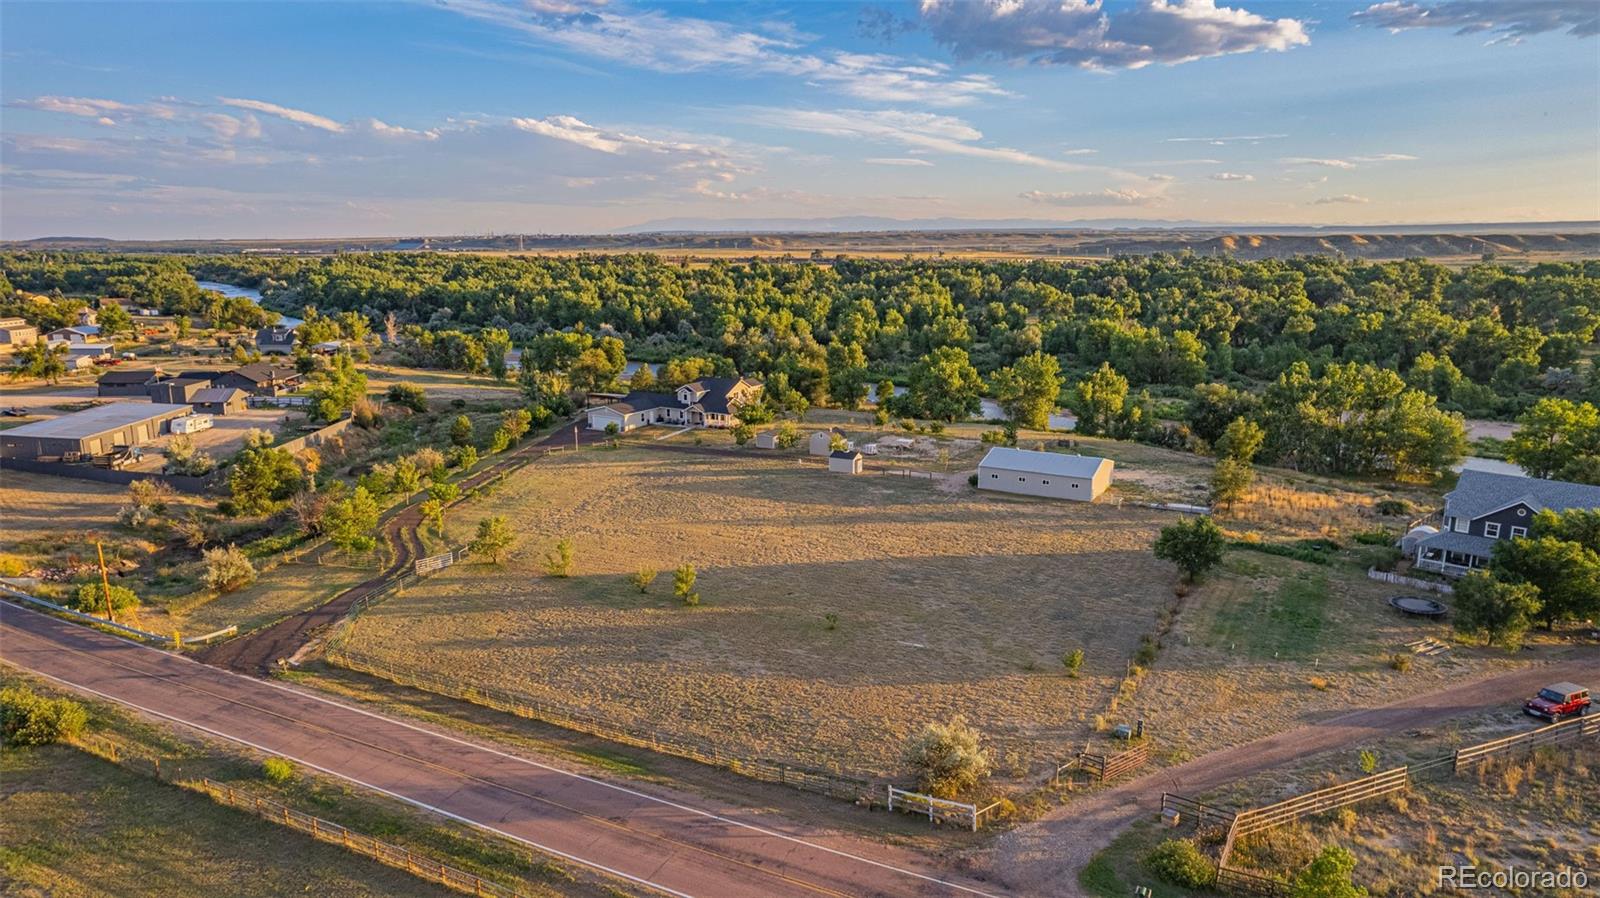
(1557, 701)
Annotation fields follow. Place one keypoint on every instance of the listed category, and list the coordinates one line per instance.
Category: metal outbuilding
(1049, 475)
(91, 431)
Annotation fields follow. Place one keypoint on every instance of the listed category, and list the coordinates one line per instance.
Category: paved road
(258, 651)
(1044, 858)
(660, 842)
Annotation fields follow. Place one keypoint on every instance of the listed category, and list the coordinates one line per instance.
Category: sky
(155, 120)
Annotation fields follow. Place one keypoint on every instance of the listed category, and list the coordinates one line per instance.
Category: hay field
(946, 602)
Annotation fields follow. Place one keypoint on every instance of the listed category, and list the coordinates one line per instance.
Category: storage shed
(767, 439)
(822, 441)
(845, 462)
(91, 431)
(219, 400)
(176, 390)
(1048, 475)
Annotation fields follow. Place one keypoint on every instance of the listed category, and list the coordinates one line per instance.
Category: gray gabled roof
(216, 394)
(1007, 459)
(1478, 493)
(844, 453)
(1465, 543)
(639, 401)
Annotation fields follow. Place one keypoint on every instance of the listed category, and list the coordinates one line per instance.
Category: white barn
(1048, 475)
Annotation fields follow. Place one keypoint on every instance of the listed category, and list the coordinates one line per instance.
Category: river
(249, 293)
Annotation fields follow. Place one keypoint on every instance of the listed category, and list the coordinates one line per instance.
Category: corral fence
(940, 810)
(1103, 767)
(405, 859)
(832, 783)
(1388, 782)
(1411, 582)
(438, 562)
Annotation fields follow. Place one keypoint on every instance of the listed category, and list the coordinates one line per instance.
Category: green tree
(409, 396)
(432, 511)
(1103, 403)
(642, 578)
(743, 433)
(1029, 390)
(461, 432)
(1241, 440)
(90, 598)
(1328, 876)
(1501, 612)
(559, 561)
(336, 388)
(1194, 546)
(41, 360)
(262, 477)
(1575, 525)
(1558, 438)
(683, 580)
(494, 537)
(944, 386)
(27, 718)
(352, 522)
(114, 319)
(1567, 575)
(1230, 480)
(947, 759)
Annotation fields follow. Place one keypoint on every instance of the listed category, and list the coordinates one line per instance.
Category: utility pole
(105, 581)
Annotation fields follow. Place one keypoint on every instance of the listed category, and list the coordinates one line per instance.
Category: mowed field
(947, 602)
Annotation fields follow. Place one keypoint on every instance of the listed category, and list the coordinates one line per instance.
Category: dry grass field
(947, 602)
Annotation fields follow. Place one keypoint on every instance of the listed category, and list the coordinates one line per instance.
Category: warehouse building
(91, 431)
(1048, 475)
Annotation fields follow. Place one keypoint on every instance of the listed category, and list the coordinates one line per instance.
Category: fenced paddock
(1389, 782)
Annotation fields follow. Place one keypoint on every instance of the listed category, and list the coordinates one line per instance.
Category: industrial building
(91, 431)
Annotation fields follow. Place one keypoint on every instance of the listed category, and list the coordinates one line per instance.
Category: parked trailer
(192, 423)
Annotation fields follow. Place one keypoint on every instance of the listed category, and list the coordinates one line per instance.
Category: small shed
(767, 439)
(822, 441)
(219, 400)
(844, 462)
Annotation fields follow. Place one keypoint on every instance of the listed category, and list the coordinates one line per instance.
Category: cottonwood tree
(1194, 546)
(42, 360)
(1560, 439)
(262, 477)
(351, 523)
(944, 386)
(1567, 575)
(1499, 611)
(1230, 480)
(1029, 390)
(494, 537)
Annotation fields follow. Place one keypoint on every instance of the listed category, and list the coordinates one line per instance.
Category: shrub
(1073, 662)
(1400, 661)
(1181, 862)
(642, 578)
(409, 396)
(1328, 876)
(947, 758)
(743, 433)
(1148, 648)
(1378, 536)
(27, 718)
(832, 620)
(972, 481)
(494, 537)
(683, 580)
(1194, 546)
(91, 598)
(1392, 507)
(1320, 684)
(464, 457)
(1367, 761)
(277, 770)
(12, 566)
(558, 562)
(227, 569)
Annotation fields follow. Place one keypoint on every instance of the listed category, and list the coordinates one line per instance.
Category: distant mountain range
(870, 223)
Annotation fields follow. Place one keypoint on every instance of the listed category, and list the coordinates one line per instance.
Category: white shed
(767, 439)
(1049, 475)
(843, 462)
(822, 442)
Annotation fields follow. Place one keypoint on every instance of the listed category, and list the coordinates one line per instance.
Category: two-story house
(1485, 508)
(707, 402)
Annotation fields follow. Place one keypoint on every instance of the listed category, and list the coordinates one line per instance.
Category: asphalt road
(659, 841)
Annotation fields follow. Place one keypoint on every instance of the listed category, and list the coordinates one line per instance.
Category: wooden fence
(1412, 582)
(940, 810)
(1388, 782)
(832, 783)
(1109, 767)
(405, 859)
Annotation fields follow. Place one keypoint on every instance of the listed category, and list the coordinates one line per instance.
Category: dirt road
(258, 651)
(1044, 858)
(666, 841)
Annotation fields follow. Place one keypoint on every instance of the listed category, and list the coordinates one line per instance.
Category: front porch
(1448, 563)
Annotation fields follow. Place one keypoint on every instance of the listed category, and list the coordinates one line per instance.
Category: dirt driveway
(1044, 858)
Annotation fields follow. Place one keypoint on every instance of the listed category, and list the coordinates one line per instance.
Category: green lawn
(1283, 621)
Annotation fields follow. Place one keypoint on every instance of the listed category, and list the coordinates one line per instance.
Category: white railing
(941, 810)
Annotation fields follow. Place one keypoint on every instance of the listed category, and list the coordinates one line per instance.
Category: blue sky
(155, 120)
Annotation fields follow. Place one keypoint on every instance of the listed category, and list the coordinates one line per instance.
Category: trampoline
(1417, 606)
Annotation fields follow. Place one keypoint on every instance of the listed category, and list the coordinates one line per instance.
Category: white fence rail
(439, 562)
(941, 810)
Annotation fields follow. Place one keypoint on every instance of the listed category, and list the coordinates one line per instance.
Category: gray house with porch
(1486, 508)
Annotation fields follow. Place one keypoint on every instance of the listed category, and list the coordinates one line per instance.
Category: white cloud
(916, 130)
(1158, 176)
(1341, 198)
(1107, 197)
(1386, 157)
(1324, 163)
(1510, 20)
(653, 39)
(298, 116)
(881, 160)
(1231, 176)
(1083, 33)
(1078, 151)
(1221, 141)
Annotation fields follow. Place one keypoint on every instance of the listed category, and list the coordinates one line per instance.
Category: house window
(1518, 532)
(1462, 525)
(1491, 529)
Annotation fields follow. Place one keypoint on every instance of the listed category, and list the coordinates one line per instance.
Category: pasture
(839, 614)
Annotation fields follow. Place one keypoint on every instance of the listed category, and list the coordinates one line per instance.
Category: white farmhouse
(1048, 475)
(707, 402)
